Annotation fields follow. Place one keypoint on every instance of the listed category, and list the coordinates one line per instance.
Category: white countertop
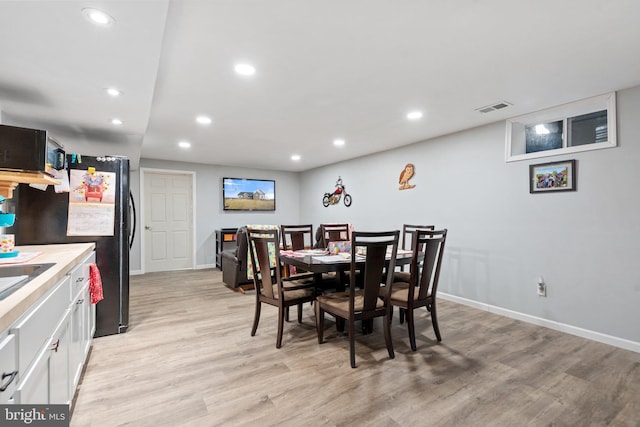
(65, 257)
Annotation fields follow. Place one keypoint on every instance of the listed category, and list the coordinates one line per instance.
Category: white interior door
(168, 221)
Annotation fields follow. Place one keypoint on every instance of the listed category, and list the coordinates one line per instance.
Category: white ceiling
(326, 69)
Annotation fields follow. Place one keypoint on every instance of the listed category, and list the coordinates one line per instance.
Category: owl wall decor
(405, 176)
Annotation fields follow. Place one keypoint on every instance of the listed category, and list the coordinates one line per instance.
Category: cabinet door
(59, 375)
(82, 322)
(36, 326)
(78, 332)
(88, 323)
(34, 386)
(92, 320)
(47, 379)
(82, 330)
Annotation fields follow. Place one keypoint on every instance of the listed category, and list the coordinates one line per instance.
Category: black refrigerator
(42, 217)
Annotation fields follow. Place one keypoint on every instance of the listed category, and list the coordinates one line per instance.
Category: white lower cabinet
(46, 348)
(59, 373)
(47, 380)
(82, 330)
(34, 385)
(36, 326)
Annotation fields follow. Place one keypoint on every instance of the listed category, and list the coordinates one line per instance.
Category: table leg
(342, 281)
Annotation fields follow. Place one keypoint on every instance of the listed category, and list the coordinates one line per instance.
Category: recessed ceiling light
(203, 120)
(98, 17)
(338, 142)
(184, 144)
(113, 91)
(414, 115)
(116, 122)
(295, 157)
(245, 69)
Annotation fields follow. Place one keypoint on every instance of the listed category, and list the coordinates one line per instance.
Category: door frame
(143, 239)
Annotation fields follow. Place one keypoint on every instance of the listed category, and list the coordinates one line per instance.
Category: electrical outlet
(542, 288)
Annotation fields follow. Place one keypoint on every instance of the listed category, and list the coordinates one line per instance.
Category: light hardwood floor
(188, 360)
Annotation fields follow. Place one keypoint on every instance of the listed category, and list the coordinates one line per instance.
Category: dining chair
(297, 237)
(271, 288)
(333, 233)
(370, 300)
(407, 232)
(421, 289)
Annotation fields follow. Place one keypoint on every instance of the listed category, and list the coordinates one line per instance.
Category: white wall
(210, 215)
(501, 238)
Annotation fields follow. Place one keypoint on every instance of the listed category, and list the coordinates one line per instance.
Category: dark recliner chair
(234, 262)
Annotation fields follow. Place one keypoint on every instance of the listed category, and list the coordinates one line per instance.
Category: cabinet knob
(146, 227)
(55, 346)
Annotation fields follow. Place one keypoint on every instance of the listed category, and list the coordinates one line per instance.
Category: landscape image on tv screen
(249, 194)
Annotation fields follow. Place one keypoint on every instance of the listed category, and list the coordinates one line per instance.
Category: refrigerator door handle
(134, 218)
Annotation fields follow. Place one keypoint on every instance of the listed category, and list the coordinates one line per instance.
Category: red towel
(95, 284)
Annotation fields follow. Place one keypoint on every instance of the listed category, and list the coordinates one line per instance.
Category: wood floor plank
(188, 360)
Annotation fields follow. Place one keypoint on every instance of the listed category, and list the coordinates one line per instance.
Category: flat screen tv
(243, 194)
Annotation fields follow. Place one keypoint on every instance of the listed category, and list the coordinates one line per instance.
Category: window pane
(587, 129)
(543, 136)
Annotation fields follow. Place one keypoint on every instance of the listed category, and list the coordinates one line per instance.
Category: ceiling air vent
(497, 106)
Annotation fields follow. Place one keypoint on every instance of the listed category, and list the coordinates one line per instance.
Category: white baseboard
(573, 330)
(203, 266)
(198, 267)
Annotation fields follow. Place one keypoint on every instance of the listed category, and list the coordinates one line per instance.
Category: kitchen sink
(13, 277)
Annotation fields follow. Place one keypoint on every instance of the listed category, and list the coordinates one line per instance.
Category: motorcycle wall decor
(334, 198)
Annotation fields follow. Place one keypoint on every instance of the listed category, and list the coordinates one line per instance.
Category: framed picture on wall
(551, 177)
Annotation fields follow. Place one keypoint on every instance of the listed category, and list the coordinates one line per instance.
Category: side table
(225, 239)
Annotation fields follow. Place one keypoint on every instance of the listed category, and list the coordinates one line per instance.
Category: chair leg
(281, 315)
(387, 338)
(256, 319)
(434, 321)
(319, 323)
(286, 314)
(300, 313)
(402, 313)
(367, 326)
(412, 331)
(352, 342)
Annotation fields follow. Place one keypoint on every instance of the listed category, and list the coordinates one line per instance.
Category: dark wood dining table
(308, 261)
(312, 262)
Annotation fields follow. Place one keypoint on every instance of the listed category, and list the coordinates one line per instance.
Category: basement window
(589, 124)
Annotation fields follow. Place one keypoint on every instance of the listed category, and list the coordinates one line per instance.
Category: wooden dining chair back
(334, 233)
(407, 232)
(371, 253)
(421, 289)
(271, 288)
(297, 237)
